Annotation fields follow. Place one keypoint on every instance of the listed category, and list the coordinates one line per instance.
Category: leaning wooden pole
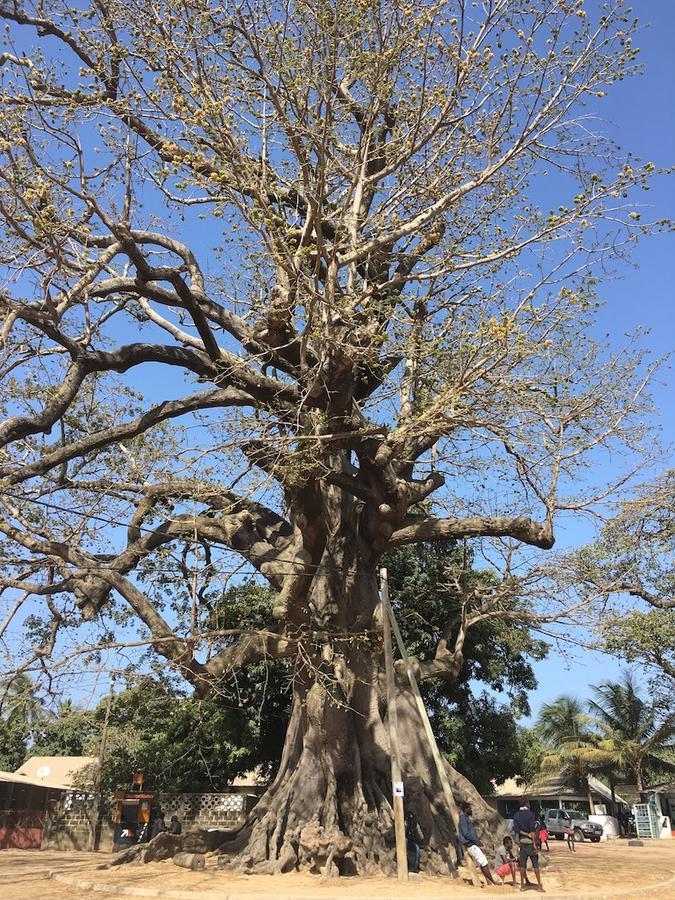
(97, 820)
(394, 751)
(436, 753)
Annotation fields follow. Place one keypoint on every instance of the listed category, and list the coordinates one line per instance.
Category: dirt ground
(596, 870)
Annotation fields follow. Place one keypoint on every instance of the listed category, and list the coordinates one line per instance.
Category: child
(505, 861)
(537, 834)
(543, 835)
(569, 834)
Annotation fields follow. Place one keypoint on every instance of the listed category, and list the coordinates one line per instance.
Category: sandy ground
(595, 870)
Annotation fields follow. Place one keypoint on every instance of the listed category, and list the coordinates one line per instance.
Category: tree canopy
(617, 734)
(22, 713)
(374, 282)
(631, 566)
(637, 733)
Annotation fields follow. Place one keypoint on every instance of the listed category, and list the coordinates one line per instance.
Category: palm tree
(632, 730)
(573, 747)
(562, 721)
(20, 702)
(22, 711)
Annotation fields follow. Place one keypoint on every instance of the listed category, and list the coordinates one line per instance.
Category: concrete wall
(207, 810)
(69, 822)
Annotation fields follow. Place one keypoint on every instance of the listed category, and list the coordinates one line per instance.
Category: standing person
(524, 823)
(622, 819)
(413, 840)
(505, 861)
(537, 834)
(569, 835)
(543, 835)
(469, 842)
(174, 826)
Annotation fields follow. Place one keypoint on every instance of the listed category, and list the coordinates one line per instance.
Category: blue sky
(640, 114)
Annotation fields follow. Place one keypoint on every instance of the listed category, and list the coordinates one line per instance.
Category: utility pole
(394, 751)
(96, 836)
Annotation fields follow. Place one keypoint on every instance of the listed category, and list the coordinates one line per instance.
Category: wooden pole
(435, 752)
(96, 837)
(394, 751)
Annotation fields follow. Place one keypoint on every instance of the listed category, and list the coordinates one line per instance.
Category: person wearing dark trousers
(569, 835)
(524, 823)
(413, 841)
(158, 825)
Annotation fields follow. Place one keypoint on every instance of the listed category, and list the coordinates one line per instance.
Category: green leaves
(621, 734)
(643, 635)
(631, 563)
(473, 727)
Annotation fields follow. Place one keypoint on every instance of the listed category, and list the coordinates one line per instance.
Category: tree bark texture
(330, 806)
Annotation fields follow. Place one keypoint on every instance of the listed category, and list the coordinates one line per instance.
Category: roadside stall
(134, 809)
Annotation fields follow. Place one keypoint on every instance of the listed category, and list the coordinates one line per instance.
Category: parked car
(559, 820)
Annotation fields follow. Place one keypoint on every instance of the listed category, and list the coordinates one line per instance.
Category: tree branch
(169, 409)
(415, 529)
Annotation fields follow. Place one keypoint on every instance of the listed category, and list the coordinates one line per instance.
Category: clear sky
(640, 114)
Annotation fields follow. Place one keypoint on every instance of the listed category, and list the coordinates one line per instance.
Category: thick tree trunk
(330, 804)
(329, 809)
(639, 781)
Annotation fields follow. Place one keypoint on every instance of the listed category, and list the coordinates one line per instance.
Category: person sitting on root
(468, 840)
(505, 861)
(158, 825)
(174, 826)
(523, 826)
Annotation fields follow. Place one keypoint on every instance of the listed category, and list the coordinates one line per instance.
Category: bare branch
(523, 529)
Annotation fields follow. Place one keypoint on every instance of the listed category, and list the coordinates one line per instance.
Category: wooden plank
(394, 751)
(436, 753)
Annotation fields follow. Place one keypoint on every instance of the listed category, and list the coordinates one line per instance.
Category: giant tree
(336, 222)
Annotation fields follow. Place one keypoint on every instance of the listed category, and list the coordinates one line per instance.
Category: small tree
(332, 220)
